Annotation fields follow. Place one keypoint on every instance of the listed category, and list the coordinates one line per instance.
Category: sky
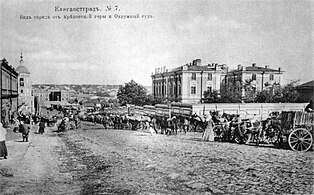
(114, 51)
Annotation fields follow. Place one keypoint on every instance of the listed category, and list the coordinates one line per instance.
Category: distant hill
(100, 90)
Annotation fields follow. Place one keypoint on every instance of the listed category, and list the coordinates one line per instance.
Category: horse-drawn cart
(297, 128)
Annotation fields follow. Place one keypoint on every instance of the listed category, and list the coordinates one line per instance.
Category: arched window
(193, 89)
(21, 81)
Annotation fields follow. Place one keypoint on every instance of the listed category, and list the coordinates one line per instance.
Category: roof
(194, 68)
(257, 68)
(22, 69)
(7, 66)
(200, 68)
(309, 84)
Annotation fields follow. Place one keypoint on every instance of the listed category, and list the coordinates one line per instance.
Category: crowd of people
(227, 127)
(22, 124)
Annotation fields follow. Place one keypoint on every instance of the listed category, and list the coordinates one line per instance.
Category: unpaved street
(94, 160)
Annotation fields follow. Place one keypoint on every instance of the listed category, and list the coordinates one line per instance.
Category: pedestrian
(208, 134)
(3, 147)
(186, 125)
(24, 129)
(16, 124)
(94, 119)
(41, 127)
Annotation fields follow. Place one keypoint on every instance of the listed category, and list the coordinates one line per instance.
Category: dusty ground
(98, 161)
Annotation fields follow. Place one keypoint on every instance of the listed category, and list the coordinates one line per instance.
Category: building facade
(51, 97)
(252, 78)
(9, 92)
(26, 100)
(187, 83)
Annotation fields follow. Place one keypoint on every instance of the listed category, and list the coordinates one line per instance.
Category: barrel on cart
(297, 128)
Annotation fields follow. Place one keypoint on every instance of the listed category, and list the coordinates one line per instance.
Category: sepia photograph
(156, 97)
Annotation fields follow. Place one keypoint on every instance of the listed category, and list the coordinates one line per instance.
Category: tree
(132, 93)
(229, 95)
(264, 96)
(151, 100)
(250, 90)
(289, 93)
(276, 93)
(211, 97)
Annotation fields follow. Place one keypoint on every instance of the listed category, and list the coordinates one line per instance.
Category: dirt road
(94, 160)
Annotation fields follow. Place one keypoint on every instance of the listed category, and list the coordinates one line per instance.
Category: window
(193, 76)
(210, 76)
(271, 77)
(193, 90)
(21, 90)
(209, 88)
(254, 77)
(21, 81)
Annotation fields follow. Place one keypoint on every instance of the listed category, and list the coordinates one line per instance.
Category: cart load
(298, 128)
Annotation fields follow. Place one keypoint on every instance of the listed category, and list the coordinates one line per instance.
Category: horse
(197, 122)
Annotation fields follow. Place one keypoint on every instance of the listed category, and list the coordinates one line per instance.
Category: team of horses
(227, 127)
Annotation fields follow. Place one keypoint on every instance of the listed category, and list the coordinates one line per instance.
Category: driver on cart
(309, 107)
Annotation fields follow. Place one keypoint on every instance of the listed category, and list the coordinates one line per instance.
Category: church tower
(24, 88)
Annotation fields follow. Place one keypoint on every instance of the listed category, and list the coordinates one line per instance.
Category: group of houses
(18, 95)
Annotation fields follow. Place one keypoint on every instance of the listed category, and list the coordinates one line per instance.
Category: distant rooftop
(309, 84)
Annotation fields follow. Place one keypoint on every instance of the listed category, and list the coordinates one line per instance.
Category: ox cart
(297, 130)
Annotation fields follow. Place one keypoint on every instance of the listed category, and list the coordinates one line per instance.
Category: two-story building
(252, 77)
(187, 83)
(8, 91)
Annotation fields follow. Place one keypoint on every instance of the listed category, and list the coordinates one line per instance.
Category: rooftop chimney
(279, 69)
(239, 67)
(253, 65)
(197, 62)
(267, 66)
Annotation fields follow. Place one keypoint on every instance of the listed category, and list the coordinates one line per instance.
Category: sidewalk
(16, 147)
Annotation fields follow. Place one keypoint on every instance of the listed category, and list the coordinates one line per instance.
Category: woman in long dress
(3, 147)
(208, 134)
(41, 127)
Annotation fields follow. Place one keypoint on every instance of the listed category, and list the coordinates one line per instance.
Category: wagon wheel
(300, 139)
